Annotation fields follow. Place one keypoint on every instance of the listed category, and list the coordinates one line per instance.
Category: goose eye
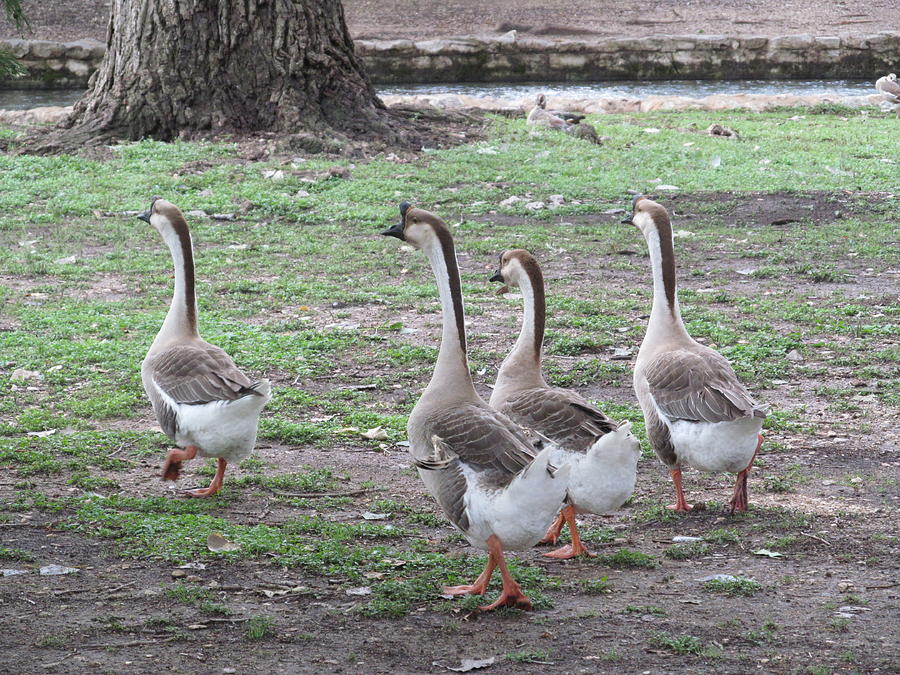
(414, 219)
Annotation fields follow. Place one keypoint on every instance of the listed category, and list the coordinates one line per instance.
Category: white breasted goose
(203, 403)
(603, 454)
(481, 468)
(696, 410)
(890, 90)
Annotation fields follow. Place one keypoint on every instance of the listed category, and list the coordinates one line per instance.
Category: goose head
(515, 264)
(417, 227)
(892, 77)
(541, 102)
(648, 216)
(164, 216)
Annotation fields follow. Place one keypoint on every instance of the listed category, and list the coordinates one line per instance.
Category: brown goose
(480, 467)
(890, 91)
(203, 403)
(551, 118)
(602, 453)
(696, 410)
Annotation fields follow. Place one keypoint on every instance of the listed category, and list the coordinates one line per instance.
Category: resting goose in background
(203, 403)
(540, 115)
(890, 91)
(479, 466)
(569, 122)
(696, 410)
(603, 455)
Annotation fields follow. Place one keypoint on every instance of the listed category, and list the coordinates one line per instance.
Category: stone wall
(54, 65)
(509, 59)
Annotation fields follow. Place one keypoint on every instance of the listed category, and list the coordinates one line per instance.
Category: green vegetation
(625, 558)
(677, 644)
(733, 586)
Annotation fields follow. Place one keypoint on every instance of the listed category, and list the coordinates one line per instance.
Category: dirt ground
(840, 561)
(422, 19)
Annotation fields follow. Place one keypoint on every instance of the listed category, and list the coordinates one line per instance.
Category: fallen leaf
(216, 542)
(368, 515)
(361, 590)
(471, 664)
(771, 554)
(42, 434)
(375, 434)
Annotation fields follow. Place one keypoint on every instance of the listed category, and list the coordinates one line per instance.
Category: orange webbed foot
(515, 599)
(569, 551)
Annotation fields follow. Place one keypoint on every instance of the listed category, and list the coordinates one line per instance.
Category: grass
(626, 558)
(733, 587)
(677, 644)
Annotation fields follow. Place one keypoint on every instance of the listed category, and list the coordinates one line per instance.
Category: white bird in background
(890, 91)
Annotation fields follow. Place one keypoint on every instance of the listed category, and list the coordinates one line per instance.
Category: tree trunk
(185, 68)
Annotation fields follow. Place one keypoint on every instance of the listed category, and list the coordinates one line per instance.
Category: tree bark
(187, 68)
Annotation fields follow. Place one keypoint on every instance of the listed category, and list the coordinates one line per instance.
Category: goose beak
(497, 277)
(145, 216)
(395, 231)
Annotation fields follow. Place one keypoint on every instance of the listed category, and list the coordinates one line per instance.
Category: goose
(551, 118)
(890, 90)
(203, 403)
(696, 411)
(602, 453)
(488, 478)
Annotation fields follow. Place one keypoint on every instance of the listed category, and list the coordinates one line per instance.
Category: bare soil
(841, 516)
(423, 19)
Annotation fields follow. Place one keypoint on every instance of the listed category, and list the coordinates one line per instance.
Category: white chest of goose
(603, 455)
(203, 403)
(696, 410)
(487, 477)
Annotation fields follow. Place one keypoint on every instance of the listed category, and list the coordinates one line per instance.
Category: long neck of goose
(181, 320)
(523, 364)
(665, 317)
(451, 375)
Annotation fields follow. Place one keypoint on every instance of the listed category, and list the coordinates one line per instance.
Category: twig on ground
(812, 536)
(310, 495)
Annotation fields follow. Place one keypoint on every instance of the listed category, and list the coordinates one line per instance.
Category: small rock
(845, 586)
(196, 214)
(668, 188)
(301, 193)
(509, 201)
(11, 572)
(68, 260)
(339, 172)
(651, 130)
(794, 356)
(621, 354)
(55, 570)
(179, 574)
(680, 539)
(223, 216)
(22, 374)
(274, 174)
(535, 206)
(557, 199)
(361, 590)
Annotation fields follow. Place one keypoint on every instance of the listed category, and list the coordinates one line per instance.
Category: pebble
(179, 574)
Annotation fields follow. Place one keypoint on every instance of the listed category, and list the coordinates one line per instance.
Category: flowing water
(20, 99)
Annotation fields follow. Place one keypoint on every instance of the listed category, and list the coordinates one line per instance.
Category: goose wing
(193, 374)
(563, 416)
(700, 387)
(474, 438)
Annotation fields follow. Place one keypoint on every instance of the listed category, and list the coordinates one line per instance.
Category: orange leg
(511, 595)
(740, 499)
(174, 458)
(680, 503)
(214, 486)
(576, 547)
(554, 531)
(480, 585)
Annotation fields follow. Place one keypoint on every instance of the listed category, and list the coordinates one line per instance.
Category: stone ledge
(595, 106)
(507, 58)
